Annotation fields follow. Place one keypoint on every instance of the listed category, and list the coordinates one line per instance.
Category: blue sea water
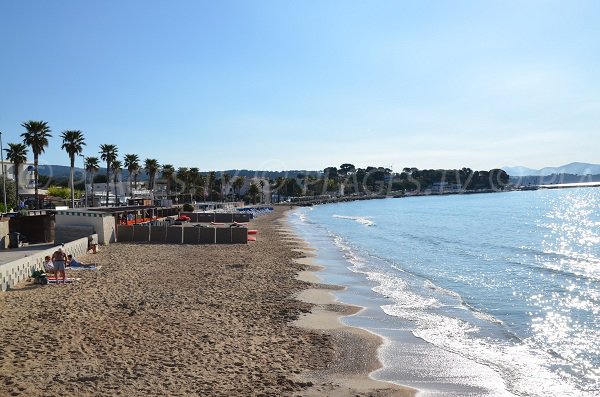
(475, 295)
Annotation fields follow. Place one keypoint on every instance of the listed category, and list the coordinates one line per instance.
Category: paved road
(12, 254)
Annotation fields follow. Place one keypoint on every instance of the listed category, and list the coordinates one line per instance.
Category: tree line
(186, 182)
(348, 179)
(191, 184)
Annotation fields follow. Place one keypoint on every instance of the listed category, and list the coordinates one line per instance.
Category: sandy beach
(185, 321)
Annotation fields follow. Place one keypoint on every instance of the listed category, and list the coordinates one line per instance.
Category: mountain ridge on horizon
(62, 171)
(574, 168)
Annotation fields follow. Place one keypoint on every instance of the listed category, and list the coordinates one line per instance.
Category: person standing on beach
(59, 259)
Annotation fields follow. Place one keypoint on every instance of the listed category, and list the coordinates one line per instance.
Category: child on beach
(48, 265)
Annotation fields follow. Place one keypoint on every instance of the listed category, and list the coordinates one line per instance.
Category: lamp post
(85, 198)
(3, 173)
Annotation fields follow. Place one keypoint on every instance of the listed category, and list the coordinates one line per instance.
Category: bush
(62, 192)
(188, 207)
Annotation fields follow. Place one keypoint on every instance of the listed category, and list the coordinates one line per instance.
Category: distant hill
(62, 171)
(572, 168)
(57, 171)
(552, 179)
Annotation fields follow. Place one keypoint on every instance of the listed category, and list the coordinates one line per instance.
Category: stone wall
(102, 223)
(18, 270)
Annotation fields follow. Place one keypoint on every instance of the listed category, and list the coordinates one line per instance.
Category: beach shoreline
(356, 348)
(160, 319)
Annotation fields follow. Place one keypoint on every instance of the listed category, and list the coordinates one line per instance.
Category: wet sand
(166, 320)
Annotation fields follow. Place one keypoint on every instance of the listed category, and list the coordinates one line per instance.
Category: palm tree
(262, 190)
(238, 184)
(210, 181)
(16, 154)
(108, 153)
(36, 136)
(132, 163)
(194, 178)
(182, 175)
(167, 172)
(226, 179)
(253, 191)
(116, 167)
(202, 183)
(92, 165)
(151, 166)
(73, 143)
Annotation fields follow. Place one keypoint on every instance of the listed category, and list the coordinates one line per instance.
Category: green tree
(253, 192)
(73, 143)
(92, 165)
(109, 154)
(498, 179)
(194, 179)
(132, 163)
(346, 169)
(10, 195)
(151, 166)
(117, 168)
(211, 179)
(262, 190)
(36, 135)
(183, 176)
(238, 184)
(167, 173)
(59, 191)
(16, 153)
(226, 180)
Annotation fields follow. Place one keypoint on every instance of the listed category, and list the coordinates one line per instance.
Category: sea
(473, 294)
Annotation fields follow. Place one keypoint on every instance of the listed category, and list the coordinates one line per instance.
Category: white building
(26, 177)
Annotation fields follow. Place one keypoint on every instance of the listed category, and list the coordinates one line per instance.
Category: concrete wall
(16, 271)
(174, 235)
(141, 233)
(183, 234)
(4, 240)
(103, 224)
(36, 228)
(221, 217)
(125, 233)
(64, 234)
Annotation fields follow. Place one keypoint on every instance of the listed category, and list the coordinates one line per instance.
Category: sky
(277, 85)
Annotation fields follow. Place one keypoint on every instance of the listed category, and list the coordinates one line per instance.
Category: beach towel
(86, 267)
(52, 279)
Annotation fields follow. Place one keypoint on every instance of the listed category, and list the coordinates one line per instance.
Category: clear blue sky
(308, 84)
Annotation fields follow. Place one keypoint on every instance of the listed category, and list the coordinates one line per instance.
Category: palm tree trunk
(130, 185)
(35, 179)
(72, 182)
(107, 181)
(92, 183)
(16, 186)
(134, 183)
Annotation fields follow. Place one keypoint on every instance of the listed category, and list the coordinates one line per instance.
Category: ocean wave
(514, 358)
(363, 220)
(349, 254)
(524, 367)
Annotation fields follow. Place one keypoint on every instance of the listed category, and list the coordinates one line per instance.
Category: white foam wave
(363, 220)
(521, 365)
(350, 255)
